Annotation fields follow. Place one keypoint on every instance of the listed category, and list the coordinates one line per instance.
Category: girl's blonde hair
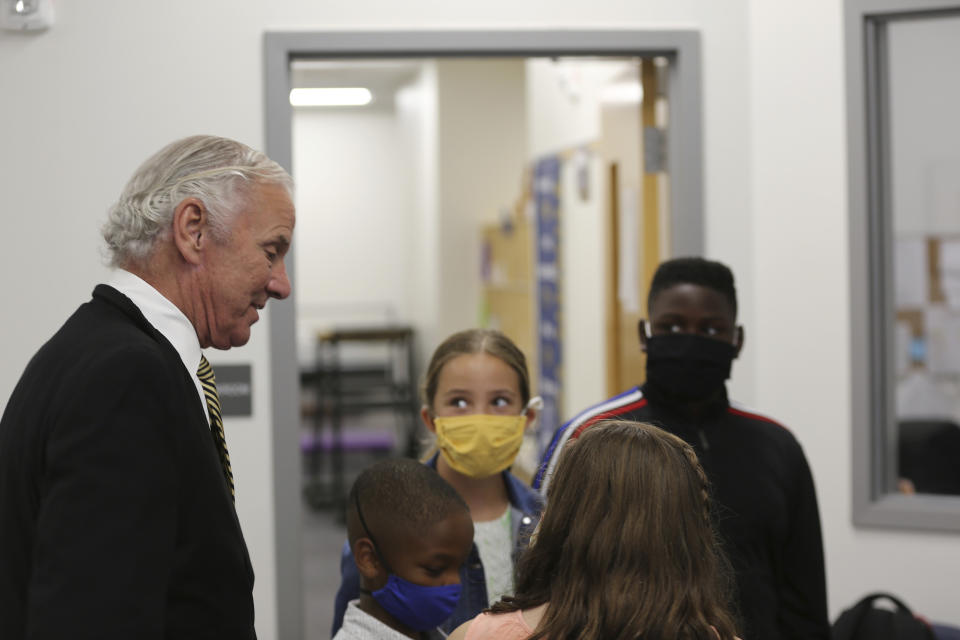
(472, 341)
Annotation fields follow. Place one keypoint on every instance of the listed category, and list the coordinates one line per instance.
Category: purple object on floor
(351, 440)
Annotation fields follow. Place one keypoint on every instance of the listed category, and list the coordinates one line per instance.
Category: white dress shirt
(165, 318)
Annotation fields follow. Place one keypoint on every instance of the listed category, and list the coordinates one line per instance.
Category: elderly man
(116, 493)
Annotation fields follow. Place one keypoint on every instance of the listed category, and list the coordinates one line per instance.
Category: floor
(323, 535)
(322, 539)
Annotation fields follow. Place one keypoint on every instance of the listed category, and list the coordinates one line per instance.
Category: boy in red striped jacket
(766, 506)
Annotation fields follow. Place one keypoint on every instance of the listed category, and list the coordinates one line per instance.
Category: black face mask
(688, 366)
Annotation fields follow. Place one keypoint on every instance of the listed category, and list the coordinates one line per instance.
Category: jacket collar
(521, 496)
(711, 408)
(113, 297)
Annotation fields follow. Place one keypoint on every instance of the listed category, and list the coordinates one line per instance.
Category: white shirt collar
(165, 318)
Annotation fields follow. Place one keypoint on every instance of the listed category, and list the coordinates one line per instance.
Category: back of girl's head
(625, 547)
(472, 341)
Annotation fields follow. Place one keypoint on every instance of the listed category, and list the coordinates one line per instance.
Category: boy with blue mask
(765, 502)
(409, 532)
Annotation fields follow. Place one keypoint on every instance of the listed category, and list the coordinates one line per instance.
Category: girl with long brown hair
(625, 548)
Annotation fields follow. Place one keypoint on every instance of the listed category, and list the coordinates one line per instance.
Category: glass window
(903, 99)
(924, 99)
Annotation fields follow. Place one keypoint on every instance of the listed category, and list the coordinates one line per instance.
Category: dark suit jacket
(115, 519)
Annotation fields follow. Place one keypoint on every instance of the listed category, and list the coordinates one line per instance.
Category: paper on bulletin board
(943, 340)
(950, 272)
(628, 251)
(910, 272)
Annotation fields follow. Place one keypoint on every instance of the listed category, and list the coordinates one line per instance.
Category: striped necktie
(209, 384)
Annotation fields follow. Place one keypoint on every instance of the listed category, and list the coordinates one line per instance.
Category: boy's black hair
(699, 271)
(400, 493)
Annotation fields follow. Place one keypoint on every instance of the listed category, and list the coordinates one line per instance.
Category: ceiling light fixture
(330, 97)
(622, 93)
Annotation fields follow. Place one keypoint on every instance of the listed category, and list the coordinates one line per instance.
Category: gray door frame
(684, 166)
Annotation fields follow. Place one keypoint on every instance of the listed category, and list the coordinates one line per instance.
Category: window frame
(871, 273)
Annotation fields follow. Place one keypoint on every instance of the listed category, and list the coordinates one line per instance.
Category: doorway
(415, 58)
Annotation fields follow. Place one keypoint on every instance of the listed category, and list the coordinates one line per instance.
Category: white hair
(217, 171)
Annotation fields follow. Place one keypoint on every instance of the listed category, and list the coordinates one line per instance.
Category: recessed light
(330, 97)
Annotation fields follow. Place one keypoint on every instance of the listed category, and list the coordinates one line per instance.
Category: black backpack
(863, 621)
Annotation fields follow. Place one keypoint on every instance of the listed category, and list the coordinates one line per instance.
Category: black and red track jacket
(765, 505)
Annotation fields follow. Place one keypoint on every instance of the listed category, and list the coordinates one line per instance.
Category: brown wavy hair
(626, 548)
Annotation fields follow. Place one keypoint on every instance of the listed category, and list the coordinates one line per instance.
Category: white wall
(563, 103)
(417, 119)
(582, 301)
(116, 79)
(481, 133)
(800, 266)
(353, 220)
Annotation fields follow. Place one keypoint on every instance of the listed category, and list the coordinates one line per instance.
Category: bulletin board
(927, 294)
(507, 280)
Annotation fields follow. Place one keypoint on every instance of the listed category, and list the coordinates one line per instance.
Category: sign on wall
(235, 389)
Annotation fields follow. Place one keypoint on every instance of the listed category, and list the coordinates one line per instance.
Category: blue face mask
(416, 606)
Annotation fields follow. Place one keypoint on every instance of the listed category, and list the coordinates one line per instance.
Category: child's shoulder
(502, 626)
(360, 625)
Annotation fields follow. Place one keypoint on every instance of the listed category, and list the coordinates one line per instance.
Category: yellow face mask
(480, 445)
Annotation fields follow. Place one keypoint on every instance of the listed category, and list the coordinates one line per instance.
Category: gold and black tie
(209, 384)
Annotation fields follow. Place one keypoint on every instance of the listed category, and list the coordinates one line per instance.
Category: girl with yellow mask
(476, 400)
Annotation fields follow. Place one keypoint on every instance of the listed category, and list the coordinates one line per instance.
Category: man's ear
(366, 559)
(739, 344)
(190, 229)
(427, 419)
(641, 330)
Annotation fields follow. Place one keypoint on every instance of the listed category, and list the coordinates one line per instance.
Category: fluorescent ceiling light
(623, 93)
(330, 97)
